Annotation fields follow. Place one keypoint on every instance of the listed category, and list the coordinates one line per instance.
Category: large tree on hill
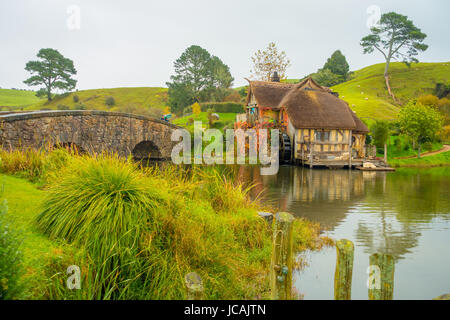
(395, 37)
(199, 76)
(266, 62)
(53, 71)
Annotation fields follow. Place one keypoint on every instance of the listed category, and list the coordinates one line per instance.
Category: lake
(404, 213)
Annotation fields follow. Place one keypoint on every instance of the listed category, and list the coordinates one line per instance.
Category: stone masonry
(92, 131)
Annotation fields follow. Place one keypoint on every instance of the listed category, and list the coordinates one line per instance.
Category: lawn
(17, 98)
(24, 201)
(437, 160)
(95, 99)
(404, 149)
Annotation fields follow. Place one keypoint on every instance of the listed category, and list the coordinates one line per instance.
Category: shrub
(109, 101)
(398, 144)
(10, 258)
(234, 96)
(222, 107)
(62, 107)
(75, 98)
(428, 146)
(80, 106)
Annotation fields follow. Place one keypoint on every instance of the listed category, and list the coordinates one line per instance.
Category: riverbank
(435, 160)
(135, 232)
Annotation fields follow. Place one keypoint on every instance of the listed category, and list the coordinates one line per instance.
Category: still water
(404, 213)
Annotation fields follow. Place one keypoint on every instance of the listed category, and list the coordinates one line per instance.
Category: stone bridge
(88, 131)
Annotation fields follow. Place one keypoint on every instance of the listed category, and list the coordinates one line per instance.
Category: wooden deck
(331, 163)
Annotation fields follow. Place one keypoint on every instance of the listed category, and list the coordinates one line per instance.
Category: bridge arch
(91, 130)
(146, 150)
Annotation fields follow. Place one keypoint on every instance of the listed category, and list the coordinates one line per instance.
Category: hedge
(220, 107)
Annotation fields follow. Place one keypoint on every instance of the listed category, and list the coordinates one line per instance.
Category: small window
(322, 136)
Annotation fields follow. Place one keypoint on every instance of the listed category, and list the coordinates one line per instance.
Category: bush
(109, 101)
(10, 259)
(80, 106)
(62, 107)
(398, 144)
(75, 98)
(428, 146)
(222, 107)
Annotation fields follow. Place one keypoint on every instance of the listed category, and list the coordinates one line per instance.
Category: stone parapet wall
(93, 131)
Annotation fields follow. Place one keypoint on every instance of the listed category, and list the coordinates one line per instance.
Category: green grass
(135, 232)
(125, 98)
(17, 98)
(394, 152)
(226, 120)
(24, 202)
(437, 160)
(406, 83)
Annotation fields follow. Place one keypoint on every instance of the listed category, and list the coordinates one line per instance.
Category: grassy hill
(367, 94)
(125, 98)
(16, 98)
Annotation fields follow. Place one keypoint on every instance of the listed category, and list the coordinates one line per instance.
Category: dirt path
(445, 148)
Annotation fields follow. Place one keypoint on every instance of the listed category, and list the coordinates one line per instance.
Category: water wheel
(285, 149)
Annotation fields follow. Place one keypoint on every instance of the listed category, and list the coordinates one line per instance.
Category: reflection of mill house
(320, 127)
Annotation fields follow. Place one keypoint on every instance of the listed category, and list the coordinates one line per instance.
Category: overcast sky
(134, 43)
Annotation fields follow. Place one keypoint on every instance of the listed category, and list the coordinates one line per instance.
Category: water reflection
(404, 213)
(392, 206)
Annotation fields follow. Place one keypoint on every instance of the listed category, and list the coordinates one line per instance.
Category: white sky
(134, 43)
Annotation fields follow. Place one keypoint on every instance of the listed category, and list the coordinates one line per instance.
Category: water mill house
(318, 128)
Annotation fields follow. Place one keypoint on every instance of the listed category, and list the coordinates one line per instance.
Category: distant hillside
(367, 94)
(125, 98)
(17, 98)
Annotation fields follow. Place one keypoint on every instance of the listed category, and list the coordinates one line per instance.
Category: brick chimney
(275, 77)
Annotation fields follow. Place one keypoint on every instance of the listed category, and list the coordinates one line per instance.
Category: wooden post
(383, 286)
(281, 264)
(266, 216)
(311, 154)
(385, 153)
(350, 150)
(194, 286)
(344, 270)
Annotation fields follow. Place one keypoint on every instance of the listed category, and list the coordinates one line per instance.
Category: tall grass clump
(103, 205)
(28, 163)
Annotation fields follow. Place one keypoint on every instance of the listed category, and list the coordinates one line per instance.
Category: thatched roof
(308, 104)
(308, 108)
(268, 94)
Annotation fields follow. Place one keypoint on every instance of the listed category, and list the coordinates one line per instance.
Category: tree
(395, 37)
(420, 122)
(380, 134)
(326, 78)
(337, 64)
(266, 62)
(53, 71)
(199, 76)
